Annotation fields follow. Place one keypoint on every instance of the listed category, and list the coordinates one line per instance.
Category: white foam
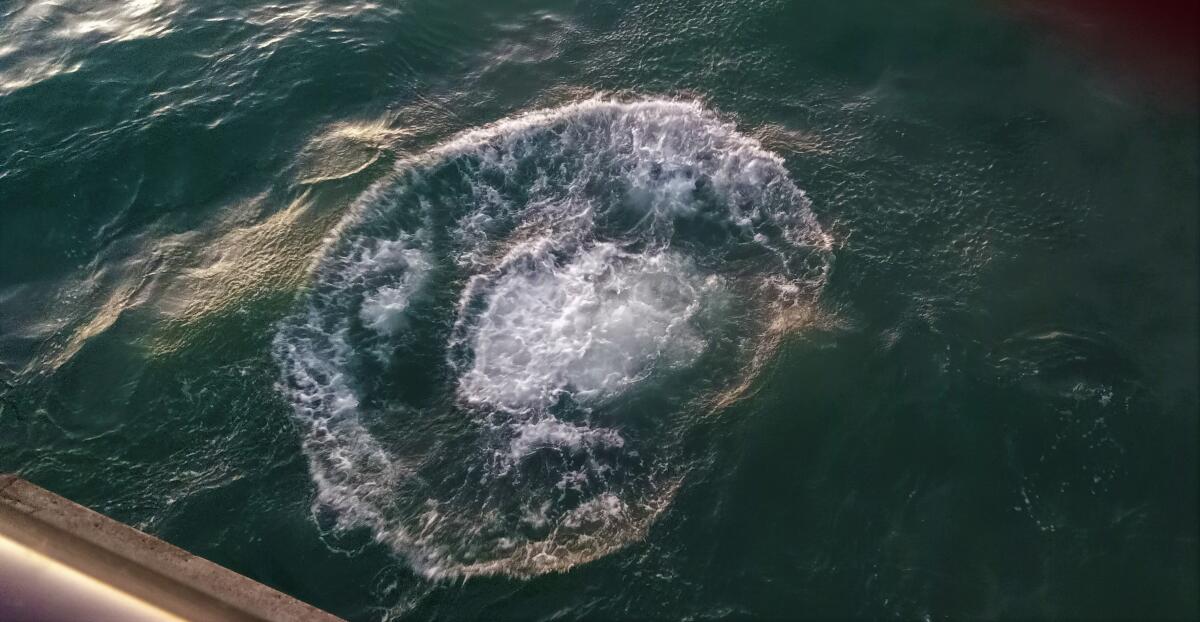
(601, 509)
(591, 325)
(351, 470)
(654, 155)
(383, 309)
(549, 431)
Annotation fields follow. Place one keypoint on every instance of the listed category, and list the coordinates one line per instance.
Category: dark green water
(790, 310)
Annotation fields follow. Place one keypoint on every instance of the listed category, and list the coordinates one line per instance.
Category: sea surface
(650, 309)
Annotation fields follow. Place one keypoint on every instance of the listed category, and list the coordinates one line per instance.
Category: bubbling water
(501, 349)
(589, 325)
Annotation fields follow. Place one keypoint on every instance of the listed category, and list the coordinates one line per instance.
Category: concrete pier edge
(136, 563)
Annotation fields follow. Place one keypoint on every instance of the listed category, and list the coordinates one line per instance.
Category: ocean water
(608, 310)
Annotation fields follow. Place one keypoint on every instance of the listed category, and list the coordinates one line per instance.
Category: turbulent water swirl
(509, 338)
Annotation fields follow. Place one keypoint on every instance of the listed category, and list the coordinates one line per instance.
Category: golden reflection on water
(184, 279)
(37, 37)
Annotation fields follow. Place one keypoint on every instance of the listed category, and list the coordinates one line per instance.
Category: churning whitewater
(508, 339)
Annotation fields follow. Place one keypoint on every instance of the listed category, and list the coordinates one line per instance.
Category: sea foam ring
(503, 342)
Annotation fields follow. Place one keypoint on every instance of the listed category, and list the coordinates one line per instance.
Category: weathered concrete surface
(44, 530)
